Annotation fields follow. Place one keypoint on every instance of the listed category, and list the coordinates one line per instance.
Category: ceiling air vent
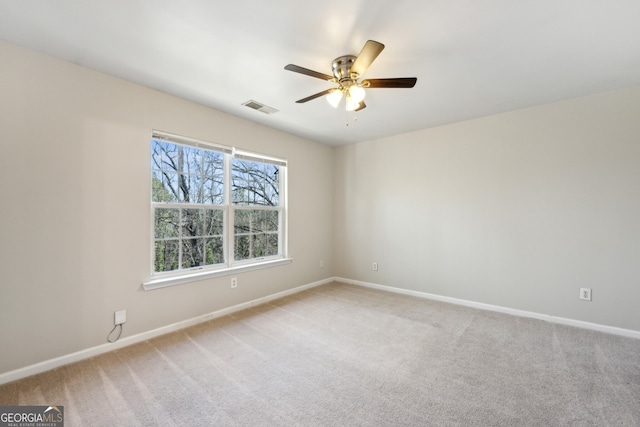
(260, 107)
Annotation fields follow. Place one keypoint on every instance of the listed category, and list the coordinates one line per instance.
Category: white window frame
(230, 266)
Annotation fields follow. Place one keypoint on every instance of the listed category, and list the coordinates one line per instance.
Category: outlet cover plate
(585, 294)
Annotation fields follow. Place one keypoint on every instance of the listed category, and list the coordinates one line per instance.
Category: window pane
(213, 190)
(191, 161)
(257, 221)
(192, 222)
(242, 222)
(191, 178)
(166, 223)
(166, 255)
(272, 245)
(254, 183)
(191, 188)
(271, 222)
(214, 251)
(213, 185)
(265, 220)
(192, 252)
(164, 155)
(242, 247)
(164, 187)
(213, 222)
(213, 162)
(258, 243)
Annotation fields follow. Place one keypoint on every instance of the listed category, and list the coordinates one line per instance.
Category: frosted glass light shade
(334, 98)
(351, 103)
(356, 93)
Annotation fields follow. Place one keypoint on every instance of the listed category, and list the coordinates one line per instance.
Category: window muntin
(212, 208)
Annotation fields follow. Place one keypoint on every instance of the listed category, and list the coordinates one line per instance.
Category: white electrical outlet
(234, 282)
(120, 317)
(585, 294)
(375, 266)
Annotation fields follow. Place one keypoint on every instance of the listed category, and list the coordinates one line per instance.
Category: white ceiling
(472, 58)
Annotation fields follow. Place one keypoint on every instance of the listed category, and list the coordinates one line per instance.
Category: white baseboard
(47, 365)
(553, 319)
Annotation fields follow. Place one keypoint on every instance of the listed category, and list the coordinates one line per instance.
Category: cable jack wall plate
(120, 317)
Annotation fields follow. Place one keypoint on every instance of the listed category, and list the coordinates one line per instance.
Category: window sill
(203, 275)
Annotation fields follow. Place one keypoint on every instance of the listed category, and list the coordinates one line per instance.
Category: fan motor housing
(342, 67)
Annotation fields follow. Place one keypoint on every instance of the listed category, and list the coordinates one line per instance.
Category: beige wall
(518, 210)
(75, 211)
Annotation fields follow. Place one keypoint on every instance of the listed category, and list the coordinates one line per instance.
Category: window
(214, 207)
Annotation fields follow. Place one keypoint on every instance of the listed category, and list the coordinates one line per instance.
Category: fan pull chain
(355, 118)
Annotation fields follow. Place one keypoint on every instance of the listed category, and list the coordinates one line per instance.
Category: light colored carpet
(343, 355)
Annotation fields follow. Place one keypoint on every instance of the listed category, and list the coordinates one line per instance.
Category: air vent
(260, 107)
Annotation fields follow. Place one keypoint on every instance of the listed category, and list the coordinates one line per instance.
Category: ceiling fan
(347, 71)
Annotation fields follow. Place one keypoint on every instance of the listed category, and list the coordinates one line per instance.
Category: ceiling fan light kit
(347, 71)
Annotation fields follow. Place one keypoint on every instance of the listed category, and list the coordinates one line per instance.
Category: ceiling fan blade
(401, 82)
(317, 95)
(367, 55)
(361, 106)
(308, 72)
